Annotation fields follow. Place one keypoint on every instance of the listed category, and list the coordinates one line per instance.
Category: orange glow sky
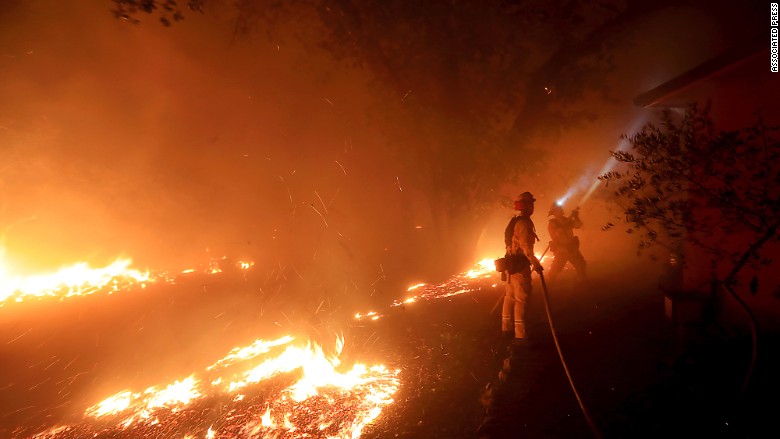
(177, 144)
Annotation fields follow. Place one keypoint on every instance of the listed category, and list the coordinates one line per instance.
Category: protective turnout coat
(519, 285)
(564, 245)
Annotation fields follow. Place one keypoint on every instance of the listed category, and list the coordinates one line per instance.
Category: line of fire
(357, 219)
(311, 398)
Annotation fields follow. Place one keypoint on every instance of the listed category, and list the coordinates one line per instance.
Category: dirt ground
(636, 375)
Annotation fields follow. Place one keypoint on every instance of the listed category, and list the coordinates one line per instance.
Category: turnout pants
(563, 256)
(518, 289)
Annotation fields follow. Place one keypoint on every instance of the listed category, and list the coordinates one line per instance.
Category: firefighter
(564, 245)
(508, 233)
(521, 254)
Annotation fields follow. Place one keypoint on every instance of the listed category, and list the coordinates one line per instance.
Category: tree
(469, 88)
(686, 182)
(167, 9)
(453, 79)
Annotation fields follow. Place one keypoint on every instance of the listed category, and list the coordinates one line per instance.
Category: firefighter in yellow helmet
(520, 253)
(563, 244)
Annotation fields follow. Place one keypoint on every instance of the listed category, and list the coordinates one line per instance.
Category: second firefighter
(564, 245)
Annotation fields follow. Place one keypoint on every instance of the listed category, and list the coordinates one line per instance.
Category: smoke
(182, 144)
(622, 145)
(176, 147)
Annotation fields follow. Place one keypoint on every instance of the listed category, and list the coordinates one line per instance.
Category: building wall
(738, 95)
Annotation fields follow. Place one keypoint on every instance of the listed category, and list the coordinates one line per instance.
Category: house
(738, 82)
(740, 87)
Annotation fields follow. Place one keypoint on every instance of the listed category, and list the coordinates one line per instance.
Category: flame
(322, 402)
(259, 347)
(466, 282)
(180, 392)
(459, 284)
(81, 279)
(214, 268)
(142, 404)
(373, 315)
(111, 405)
(483, 267)
(76, 280)
(267, 420)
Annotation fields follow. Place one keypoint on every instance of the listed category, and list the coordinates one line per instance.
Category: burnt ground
(637, 376)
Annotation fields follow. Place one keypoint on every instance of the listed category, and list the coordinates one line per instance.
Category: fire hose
(588, 419)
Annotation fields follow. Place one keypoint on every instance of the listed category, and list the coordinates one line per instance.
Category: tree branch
(752, 249)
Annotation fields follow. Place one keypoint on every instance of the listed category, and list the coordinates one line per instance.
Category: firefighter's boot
(520, 329)
(506, 324)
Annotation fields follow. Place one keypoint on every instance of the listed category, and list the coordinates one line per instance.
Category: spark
(342, 168)
(333, 198)
(20, 336)
(52, 364)
(399, 184)
(324, 207)
(289, 194)
(70, 363)
(39, 384)
(318, 213)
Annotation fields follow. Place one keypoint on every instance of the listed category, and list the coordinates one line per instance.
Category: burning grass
(253, 392)
(281, 388)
